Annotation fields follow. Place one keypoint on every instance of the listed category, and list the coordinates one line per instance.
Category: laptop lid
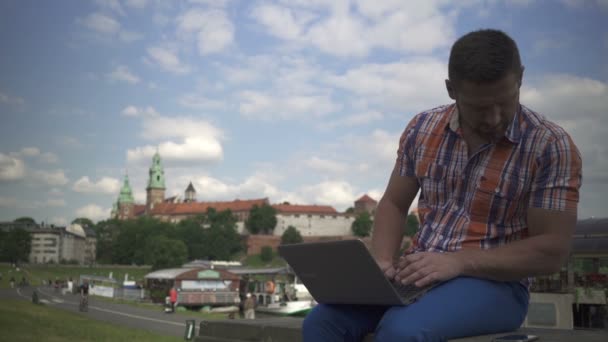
(340, 272)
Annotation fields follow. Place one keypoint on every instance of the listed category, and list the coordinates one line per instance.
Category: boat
(297, 308)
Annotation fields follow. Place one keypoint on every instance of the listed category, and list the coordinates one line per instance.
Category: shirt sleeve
(558, 177)
(407, 148)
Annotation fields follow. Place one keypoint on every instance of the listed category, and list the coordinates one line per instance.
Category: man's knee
(406, 333)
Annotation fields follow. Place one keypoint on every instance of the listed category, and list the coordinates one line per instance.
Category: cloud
(49, 158)
(337, 193)
(112, 5)
(266, 106)
(52, 178)
(29, 152)
(59, 221)
(138, 4)
(11, 168)
(93, 212)
(67, 141)
(353, 120)
(11, 100)
(167, 60)
(101, 23)
(200, 102)
(169, 127)
(403, 86)
(55, 202)
(9, 202)
(345, 29)
(325, 165)
(129, 36)
(122, 74)
(140, 112)
(213, 30)
(106, 185)
(192, 149)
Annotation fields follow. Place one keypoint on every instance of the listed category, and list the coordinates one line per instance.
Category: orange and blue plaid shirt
(481, 201)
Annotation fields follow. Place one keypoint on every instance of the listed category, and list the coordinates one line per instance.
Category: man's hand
(388, 268)
(424, 268)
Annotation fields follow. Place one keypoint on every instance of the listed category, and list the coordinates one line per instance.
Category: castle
(309, 220)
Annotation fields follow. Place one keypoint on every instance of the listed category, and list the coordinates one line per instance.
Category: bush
(291, 235)
(266, 254)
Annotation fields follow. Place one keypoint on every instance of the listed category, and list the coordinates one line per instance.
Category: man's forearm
(388, 230)
(537, 255)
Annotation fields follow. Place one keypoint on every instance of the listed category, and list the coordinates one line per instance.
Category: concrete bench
(289, 330)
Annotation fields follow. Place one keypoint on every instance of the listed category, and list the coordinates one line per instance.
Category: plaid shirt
(481, 201)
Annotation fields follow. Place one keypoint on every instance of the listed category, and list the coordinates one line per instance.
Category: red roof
(304, 209)
(139, 209)
(201, 207)
(366, 198)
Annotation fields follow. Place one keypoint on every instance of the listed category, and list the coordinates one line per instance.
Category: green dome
(126, 195)
(157, 174)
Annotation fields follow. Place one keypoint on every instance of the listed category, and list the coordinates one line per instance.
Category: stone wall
(314, 224)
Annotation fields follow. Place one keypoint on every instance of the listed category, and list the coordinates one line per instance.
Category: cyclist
(84, 296)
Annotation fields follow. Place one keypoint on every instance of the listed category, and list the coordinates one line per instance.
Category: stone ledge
(289, 330)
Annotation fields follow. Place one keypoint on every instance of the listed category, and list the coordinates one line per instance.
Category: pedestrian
(173, 298)
(12, 282)
(249, 306)
(499, 189)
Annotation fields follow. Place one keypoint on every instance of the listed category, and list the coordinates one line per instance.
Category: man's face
(487, 109)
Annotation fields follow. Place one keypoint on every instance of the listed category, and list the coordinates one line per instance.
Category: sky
(294, 100)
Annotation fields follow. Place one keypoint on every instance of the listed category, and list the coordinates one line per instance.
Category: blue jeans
(461, 307)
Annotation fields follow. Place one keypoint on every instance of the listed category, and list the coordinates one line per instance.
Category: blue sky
(299, 101)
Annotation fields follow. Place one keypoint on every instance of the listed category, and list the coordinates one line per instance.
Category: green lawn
(256, 261)
(35, 272)
(24, 321)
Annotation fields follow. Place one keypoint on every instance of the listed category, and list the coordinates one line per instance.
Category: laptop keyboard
(410, 291)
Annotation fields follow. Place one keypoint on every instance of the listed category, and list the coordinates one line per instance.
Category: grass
(24, 321)
(36, 272)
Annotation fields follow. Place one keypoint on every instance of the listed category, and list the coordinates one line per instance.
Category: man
(84, 295)
(249, 307)
(173, 298)
(498, 203)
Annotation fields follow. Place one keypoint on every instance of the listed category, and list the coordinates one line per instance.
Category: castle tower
(190, 194)
(126, 204)
(155, 192)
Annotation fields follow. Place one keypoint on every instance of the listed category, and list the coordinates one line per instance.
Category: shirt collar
(513, 131)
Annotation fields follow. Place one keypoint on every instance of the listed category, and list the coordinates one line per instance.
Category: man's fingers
(427, 280)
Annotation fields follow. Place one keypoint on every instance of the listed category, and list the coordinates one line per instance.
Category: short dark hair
(483, 56)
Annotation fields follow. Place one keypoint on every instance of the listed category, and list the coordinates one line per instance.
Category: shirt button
(497, 190)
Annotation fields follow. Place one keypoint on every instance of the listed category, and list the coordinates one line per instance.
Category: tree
(291, 235)
(350, 210)
(220, 240)
(162, 252)
(17, 245)
(362, 225)
(262, 220)
(411, 225)
(26, 220)
(83, 221)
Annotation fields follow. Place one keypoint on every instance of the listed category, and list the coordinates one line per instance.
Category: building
(309, 220)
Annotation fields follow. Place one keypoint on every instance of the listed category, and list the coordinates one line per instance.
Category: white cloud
(52, 178)
(101, 23)
(200, 102)
(353, 120)
(325, 165)
(213, 29)
(49, 157)
(11, 100)
(167, 60)
(112, 5)
(129, 36)
(123, 74)
(216, 3)
(11, 168)
(55, 202)
(140, 111)
(8, 202)
(266, 106)
(192, 149)
(345, 29)
(339, 194)
(138, 4)
(30, 151)
(93, 212)
(106, 185)
(403, 86)
(169, 127)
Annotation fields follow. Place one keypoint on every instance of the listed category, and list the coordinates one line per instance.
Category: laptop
(344, 272)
